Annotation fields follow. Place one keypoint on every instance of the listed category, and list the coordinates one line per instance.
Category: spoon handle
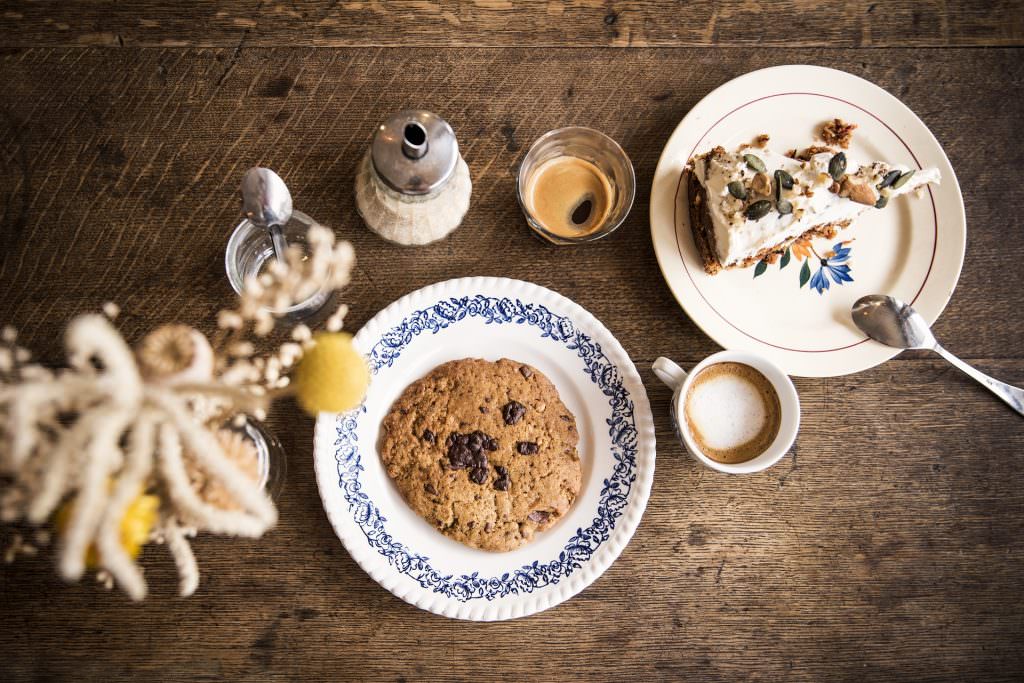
(277, 237)
(1013, 396)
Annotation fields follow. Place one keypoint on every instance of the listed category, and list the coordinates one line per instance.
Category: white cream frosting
(738, 238)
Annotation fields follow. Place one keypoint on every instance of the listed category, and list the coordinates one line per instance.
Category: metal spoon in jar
(894, 323)
(267, 203)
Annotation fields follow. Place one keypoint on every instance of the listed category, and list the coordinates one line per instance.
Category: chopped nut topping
(761, 184)
(806, 154)
(761, 140)
(858, 192)
(838, 132)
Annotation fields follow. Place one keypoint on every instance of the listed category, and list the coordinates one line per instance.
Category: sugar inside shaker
(412, 186)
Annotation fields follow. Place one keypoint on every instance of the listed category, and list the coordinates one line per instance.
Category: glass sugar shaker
(413, 186)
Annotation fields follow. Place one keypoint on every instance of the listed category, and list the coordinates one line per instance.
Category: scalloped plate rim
(379, 569)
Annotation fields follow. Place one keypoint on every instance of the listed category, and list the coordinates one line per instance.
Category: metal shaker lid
(414, 152)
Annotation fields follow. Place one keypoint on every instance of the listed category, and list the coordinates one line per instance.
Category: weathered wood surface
(504, 23)
(889, 547)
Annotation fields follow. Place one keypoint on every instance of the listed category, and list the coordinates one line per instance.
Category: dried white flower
(229, 320)
(111, 310)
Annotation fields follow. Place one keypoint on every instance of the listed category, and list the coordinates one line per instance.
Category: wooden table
(889, 545)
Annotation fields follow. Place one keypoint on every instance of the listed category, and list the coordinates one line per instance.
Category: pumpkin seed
(888, 180)
(784, 207)
(783, 181)
(737, 190)
(758, 209)
(902, 180)
(837, 166)
(882, 201)
(754, 162)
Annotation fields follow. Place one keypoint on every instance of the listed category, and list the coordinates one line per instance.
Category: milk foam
(728, 410)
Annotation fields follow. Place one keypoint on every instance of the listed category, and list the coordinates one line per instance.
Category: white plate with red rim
(913, 249)
(490, 318)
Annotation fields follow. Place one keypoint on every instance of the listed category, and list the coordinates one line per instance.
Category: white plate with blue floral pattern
(796, 312)
(490, 318)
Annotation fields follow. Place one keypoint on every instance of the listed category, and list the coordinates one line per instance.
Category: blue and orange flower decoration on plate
(833, 264)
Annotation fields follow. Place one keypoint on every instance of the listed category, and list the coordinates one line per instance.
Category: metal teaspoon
(267, 203)
(894, 323)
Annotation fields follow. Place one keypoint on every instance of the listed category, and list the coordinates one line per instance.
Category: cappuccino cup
(734, 412)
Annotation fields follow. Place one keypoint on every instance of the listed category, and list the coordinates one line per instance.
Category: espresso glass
(589, 145)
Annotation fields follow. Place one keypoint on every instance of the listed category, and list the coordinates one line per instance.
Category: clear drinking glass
(269, 456)
(589, 145)
(250, 250)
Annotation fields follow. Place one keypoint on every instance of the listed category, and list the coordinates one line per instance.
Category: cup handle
(669, 373)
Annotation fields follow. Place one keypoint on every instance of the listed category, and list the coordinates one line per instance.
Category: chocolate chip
(565, 418)
(429, 488)
(470, 524)
(525, 371)
(538, 516)
(478, 475)
(476, 441)
(479, 459)
(526, 448)
(512, 412)
(450, 440)
(491, 444)
(460, 456)
(462, 439)
(429, 436)
(484, 410)
(488, 527)
(502, 482)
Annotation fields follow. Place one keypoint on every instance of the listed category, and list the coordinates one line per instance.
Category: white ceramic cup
(678, 380)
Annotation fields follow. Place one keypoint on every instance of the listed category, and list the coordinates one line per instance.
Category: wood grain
(502, 23)
(887, 546)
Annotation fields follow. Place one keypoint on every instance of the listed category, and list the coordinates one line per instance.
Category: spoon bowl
(888, 320)
(267, 203)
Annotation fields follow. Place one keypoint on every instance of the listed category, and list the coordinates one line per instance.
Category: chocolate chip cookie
(485, 451)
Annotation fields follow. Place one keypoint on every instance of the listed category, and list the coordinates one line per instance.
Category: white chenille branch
(125, 445)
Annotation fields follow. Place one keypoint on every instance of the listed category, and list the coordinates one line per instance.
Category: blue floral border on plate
(614, 493)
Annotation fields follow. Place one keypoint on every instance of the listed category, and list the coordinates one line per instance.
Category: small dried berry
(526, 448)
(429, 436)
(538, 516)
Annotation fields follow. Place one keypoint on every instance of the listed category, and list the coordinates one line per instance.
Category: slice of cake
(750, 205)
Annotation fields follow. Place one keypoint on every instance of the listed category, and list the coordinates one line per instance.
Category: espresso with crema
(569, 196)
(732, 412)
